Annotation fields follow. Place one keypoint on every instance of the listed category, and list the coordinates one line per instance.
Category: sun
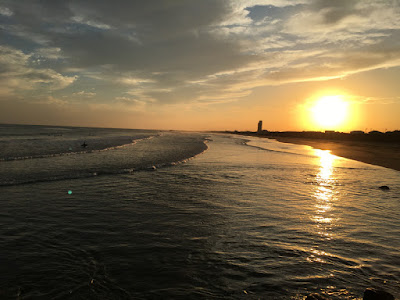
(330, 112)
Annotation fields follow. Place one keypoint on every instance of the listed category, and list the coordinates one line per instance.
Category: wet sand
(381, 154)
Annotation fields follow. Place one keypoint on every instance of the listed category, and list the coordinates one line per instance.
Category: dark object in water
(384, 187)
(84, 145)
(316, 296)
(374, 294)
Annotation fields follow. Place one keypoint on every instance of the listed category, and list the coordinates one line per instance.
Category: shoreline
(379, 154)
(374, 153)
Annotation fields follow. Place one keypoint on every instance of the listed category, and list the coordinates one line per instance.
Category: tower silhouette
(259, 128)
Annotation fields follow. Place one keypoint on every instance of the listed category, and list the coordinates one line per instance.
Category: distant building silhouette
(355, 132)
(259, 128)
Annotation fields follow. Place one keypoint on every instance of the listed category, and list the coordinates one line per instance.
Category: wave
(133, 141)
(100, 170)
(245, 142)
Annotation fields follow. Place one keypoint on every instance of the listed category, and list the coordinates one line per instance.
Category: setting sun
(330, 112)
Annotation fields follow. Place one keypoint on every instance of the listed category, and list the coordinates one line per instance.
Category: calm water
(132, 217)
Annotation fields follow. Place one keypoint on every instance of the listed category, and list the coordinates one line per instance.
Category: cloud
(81, 20)
(133, 80)
(84, 94)
(52, 101)
(49, 53)
(332, 12)
(208, 51)
(130, 103)
(17, 75)
(375, 100)
(5, 11)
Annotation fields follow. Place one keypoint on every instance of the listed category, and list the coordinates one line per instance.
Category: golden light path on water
(324, 196)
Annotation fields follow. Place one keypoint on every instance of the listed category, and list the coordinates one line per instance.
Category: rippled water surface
(248, 218)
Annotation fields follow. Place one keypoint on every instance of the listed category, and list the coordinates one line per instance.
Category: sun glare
(329, 112)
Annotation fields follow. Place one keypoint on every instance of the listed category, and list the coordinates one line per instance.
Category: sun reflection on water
(324, 196)
(326, 161)
(324, 193)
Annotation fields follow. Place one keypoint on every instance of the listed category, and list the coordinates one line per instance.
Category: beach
(379, 154)
(190, 215)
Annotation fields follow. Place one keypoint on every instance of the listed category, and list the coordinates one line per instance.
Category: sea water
(142, 214)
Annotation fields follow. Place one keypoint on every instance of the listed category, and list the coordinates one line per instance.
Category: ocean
(147, 214)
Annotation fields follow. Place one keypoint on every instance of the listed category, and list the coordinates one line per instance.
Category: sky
(199, 64)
